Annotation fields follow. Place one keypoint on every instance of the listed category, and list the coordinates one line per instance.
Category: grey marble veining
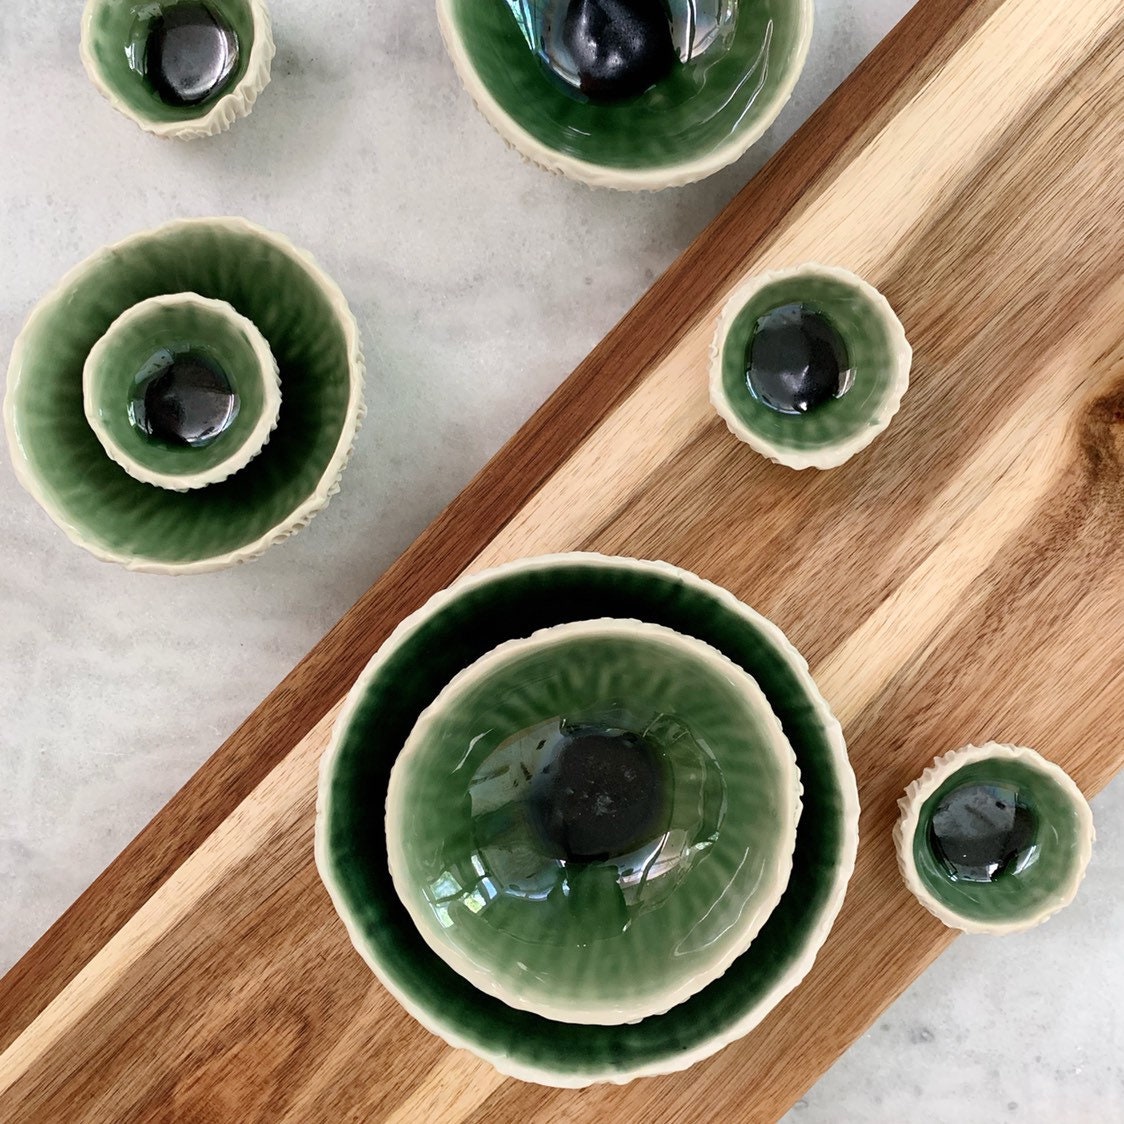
(479, 283)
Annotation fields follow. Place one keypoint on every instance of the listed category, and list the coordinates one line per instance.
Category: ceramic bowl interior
(312, 335)
(1048, 842)
(141, 343)
(116, 40)
(695, 121)
(450, 633)
(874, 343)
(594, 822)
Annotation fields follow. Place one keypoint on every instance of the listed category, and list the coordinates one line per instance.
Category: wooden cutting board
(960, 580)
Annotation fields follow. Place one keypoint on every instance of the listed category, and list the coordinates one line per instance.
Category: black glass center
(191, 53)
(981, 832)
(796, 360)
(611, 50)
(187, 400)
(599, 796)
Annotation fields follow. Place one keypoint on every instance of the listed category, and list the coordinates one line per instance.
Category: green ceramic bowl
(448, 634)
(141, 343)
(994, 838)
(313, 336)
(115, 35)
(879, 355)
(594, 823)
(696, 121)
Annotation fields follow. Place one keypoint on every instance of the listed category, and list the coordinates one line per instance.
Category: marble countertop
(479, 283)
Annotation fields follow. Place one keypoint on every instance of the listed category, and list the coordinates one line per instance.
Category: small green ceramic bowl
(878, 352)
(312, 335)
(699, 119)
(115, 50)
(593, 823)
(450, 633)
(994, 838)
(144, 341)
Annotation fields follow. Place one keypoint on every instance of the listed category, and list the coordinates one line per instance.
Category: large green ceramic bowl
(313, 336)
(876, 346)
(994, 838)
(114, 50)
(141, 344)
(448, 634)
(700, 118)
(593, 823)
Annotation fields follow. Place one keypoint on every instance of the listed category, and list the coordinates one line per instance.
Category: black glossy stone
(981, 832)
(612, 50)
(600, 796)
(190, 401)
(796, 360)
(191, 53)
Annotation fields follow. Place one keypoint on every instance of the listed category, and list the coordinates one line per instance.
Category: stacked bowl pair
(187, 397)
(587, 817)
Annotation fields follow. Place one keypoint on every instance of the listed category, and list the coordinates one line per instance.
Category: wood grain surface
(960, 580)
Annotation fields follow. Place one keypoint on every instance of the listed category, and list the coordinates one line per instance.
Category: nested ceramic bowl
(454, 630)
(593, 823)
(994, 838)
(182, 391)
(312, 335)
(179, 68)
(779, 323)
(700, 118)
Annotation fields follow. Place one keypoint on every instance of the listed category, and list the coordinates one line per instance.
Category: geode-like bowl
(312, 335)
(116, 49)
(593, 823)
(236, 409)
(701, 117)
(453, 630)
(994, 838)
(878, 354)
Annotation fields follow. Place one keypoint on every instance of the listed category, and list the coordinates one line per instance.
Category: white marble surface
(479, 283)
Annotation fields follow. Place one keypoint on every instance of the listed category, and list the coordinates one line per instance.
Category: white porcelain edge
(597, 175)
(255, 440)
(237, 103)
(834, 455)
(329, 483)
(787, 983)
(769, 895)
(932, 778)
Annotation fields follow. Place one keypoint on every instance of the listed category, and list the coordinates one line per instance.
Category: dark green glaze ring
(452, 631)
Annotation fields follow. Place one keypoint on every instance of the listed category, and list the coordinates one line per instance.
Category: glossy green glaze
(312, 335)
(417, 664)
(647, 923)
(1017, 894)
(119, 362)
(699, 108)
(116, 41)
(870, 348)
